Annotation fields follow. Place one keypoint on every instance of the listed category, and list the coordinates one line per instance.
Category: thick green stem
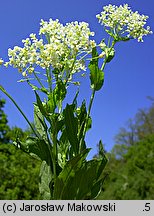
(14, 102)
(54, 145)
(55, 155)
(49, 79)
(91, 102)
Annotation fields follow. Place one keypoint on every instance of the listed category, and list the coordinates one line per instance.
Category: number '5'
(147, 206)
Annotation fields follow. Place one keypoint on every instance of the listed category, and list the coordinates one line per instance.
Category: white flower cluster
(61, 49)
(123, 22)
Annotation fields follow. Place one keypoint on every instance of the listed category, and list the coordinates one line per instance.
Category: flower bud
(1, 61)
(102, 55)
(24, 74)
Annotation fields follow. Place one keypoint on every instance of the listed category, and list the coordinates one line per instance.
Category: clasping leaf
(96, 75)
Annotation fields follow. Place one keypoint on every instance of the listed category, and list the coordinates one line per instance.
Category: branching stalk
(39, 81)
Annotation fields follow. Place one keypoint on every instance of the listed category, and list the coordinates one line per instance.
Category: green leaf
(40, 105)
(44, 90)
(82, 118)
(96, 189)
(94, 55)
(100, 149)
(39, 122)
(71, 123)
(60, 91)
(89, 179)
(37, 148)
(80, 179)
(125, 39)
(46, 179)
(33, 86)
(75, 99)
(82, 115)
(96, 75)
(51, 103)
(62, 189)
(64, 150)
(110, 54)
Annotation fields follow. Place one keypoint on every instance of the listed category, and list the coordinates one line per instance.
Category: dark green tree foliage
(18, 172)
(4, 128)
(130, 171)
(137, 128)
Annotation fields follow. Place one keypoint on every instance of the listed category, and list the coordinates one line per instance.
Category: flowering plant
(48, 64)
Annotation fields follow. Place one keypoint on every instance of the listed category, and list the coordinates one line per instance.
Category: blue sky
(129, 77)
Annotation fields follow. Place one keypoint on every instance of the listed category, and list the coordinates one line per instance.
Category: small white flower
(24, 74)
(60, 49)
(102, 55)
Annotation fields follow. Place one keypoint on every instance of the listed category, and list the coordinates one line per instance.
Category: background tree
(18, 172)
(137, 128)
(4, 128)
(131, 162)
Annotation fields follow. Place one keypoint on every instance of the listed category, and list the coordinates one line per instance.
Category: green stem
(54, 147)
(93, 94)
(14, 102)
(55, 155)
(109, 40)
(103, 65)
(68, 75)
(91, 102)
(49, 80)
